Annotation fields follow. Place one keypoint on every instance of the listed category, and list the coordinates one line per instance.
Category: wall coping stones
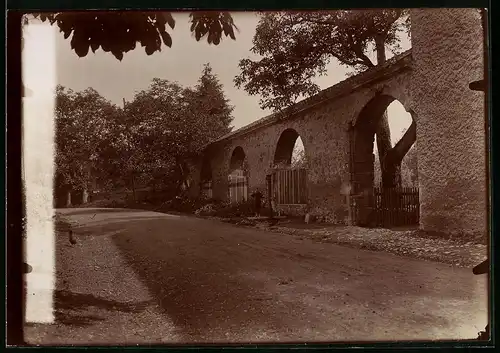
(371, 76)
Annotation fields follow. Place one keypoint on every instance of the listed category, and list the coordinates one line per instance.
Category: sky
(183, 62)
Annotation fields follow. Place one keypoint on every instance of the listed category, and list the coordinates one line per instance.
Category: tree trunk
(383, 132)
(68, 198)
(395, 155)
(391, 173)
(392, 161)
(182, 184)
(133, 188)
(85, 195)
(380, 48)
(85, 191)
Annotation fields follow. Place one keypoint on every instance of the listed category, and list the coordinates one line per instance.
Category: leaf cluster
(296, 47)
(119, 32)
(149, 140)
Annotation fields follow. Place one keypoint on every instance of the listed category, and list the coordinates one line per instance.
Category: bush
(241, 209)
(157, 197)
(208, 210)
(184, 204)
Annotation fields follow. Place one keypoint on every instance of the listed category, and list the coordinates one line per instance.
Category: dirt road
(137, 277)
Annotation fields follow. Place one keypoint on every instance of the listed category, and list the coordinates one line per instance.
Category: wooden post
(68, 198)
(269, 193)
(133, 187)
(85, 195)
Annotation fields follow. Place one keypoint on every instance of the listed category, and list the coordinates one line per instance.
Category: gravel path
(409, 243)
(99, 299)
(404, 243)
(137, 277)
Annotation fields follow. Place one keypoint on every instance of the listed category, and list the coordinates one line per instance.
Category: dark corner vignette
(15, 196)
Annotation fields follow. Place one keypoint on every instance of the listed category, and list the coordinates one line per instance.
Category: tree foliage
(84, 131)
(181, 120)
(119, 32)
(148, 142)
(409, 168)
(299, 159)
(296, 47)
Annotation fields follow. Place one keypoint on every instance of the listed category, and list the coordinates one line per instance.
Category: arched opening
(237, 162)
(289, 177)
(299, 155)
(285, 148)
(378, 147)
(206, 178)
(399, 122)
(237, 178)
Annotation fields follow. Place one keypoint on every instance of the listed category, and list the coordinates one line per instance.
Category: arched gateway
(237, 178)
(288, 181)
(387, 204)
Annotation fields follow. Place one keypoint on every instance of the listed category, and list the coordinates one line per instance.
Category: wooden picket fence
(206, 189)
(238, 188)
(396, 206)
(290, 186)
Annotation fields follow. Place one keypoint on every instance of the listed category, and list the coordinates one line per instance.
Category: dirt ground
(144, 277)
(408, 242)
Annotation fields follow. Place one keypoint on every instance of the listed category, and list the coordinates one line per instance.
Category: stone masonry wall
(324, 132)
(432, 82)
(447, 49)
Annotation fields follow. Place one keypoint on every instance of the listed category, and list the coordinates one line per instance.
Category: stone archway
(289, 181)
(238, 176)
(237, 163)
(285, 147)
(206, 178)
(362, 138)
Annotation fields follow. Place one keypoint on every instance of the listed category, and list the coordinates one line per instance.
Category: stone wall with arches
(432, 84)
(322, 122)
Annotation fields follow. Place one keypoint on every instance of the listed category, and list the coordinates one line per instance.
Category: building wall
(447, 49)
(446, 56)
(324, 133)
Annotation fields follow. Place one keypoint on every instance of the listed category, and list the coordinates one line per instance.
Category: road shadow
(79, 310)
(200, 293)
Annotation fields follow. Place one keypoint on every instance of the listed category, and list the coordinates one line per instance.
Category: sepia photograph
(249, 177)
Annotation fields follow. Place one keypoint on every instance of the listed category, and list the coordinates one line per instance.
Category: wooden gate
(396, 207)
(206, 189)
(238, 188)
(290, 186)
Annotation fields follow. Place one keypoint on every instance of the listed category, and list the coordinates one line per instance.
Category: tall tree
(149, 140)
(119, 32)
(295, 47)
(83, 132)
(210, 101)
(172, 124)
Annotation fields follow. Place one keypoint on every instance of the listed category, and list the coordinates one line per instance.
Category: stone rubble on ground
(404, 243)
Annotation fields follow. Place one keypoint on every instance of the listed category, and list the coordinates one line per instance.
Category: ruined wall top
(396, 64)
